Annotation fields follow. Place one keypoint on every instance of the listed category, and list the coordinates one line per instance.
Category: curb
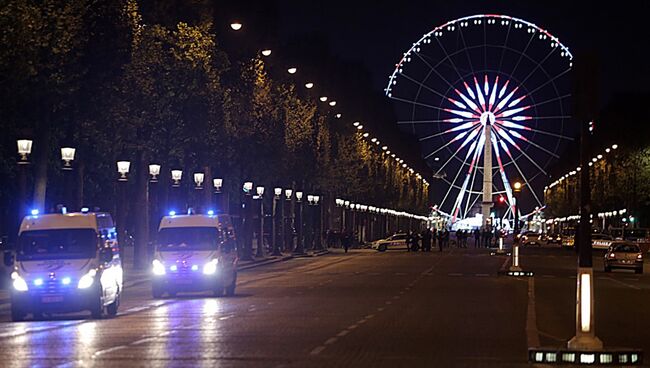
(312, 254)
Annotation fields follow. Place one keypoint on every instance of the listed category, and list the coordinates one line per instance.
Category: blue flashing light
(211, 213)
(172, 213)
(195, 268)
(66, 281)
(84, 209)
(64, 210)
(34, 212)
(38, 282)
(173, 268)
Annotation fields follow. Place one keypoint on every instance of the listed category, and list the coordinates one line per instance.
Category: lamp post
(123, 168)
(24, 150)
(177, 176)
(217, 184)
(154, 217)
(288, 221)
(260, 237)
(300, 246)
(67, 156)
(247, 254)
(515, 267)
(316, 203)
(274, 235)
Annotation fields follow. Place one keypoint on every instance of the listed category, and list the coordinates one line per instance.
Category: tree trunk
(41, 161)
(79, 194)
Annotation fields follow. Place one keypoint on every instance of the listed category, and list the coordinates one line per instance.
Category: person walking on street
(409, 241)
(477, 238)
(426, 240)
(346, 240)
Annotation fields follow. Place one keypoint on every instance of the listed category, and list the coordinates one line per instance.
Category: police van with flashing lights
(195, 253)
(66, 262)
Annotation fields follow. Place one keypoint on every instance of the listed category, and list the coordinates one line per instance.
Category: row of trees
(94, 76)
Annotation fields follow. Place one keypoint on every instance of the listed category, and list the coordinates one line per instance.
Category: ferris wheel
(488, 97)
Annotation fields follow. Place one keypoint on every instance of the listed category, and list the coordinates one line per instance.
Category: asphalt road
(361, 309)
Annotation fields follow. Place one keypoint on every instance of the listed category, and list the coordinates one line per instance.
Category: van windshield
(57, 244)
(188, 238)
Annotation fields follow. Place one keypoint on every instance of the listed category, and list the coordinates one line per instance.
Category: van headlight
(87, 280)
(19, 283)
(158, 268)
(211, 267)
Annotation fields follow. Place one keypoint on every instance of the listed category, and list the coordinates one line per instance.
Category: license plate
(52, 299)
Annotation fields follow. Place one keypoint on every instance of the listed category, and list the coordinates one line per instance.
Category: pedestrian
(408, 240)
(438, 233)
(446, 238)
(477, 238)
(416, 242)
(489, 237)
(346, 238)
(426, 240)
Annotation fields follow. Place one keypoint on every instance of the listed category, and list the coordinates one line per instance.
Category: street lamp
(260, 237)
(154, 171)
(24, 150)
(248, 187)
(338, 116)
(67, 155)
(288, 193)
(323, 98)
(176, 177)
(123, 169)
(309, 85)
(217, 183)
(514, 267)
(299, 196)
(292, 70)
(266, 52)
(236, 26)
(260, 191)
(332, 103)
(300, 246)
(277, 191)
(198, 180)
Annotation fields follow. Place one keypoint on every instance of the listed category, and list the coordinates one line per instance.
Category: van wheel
(218, 290)
(381, 248)
(638, 270)
(97, 312)
(111, 309)
(230, 289)
(17, 314)
(156, 291)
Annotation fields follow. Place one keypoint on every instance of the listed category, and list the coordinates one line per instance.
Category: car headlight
(87, 280)
(210, 267)
(19, 283)
(158, 268)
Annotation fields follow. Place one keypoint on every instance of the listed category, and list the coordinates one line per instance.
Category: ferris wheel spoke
(551, 80)
(557, 98)
(539, 64)
(521, 54)
(469, 60)
(467, 207)
(472, 134)
(509, 124)
(467, 125)
(417, 103)
(521, 137)
(449, 58)
(505, 43)
(506, 136)
(502, 171)
(454, 121)
(422, 85)
(514, 162)
(469, 151)
(452, 186)
(434, 69)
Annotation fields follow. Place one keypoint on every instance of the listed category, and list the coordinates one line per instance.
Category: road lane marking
(330, 341)
(532, 335)
(482, 274)
(352, 327)
(317, 350)
(622, 283)
(380, 309)
(343, 333)
(369, 316)
(455, 274)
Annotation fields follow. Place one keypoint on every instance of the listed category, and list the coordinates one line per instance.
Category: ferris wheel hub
(487, 118)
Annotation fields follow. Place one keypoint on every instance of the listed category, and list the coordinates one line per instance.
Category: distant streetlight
(323, 98)
(366, 135)
(176, 177)
(332, 103)
(266, 52)
(384, 148)
(299, 196)
(356, 123)
(277, 192)
(292, 70)
(154, 171)
(217, 183)
(338, 116)
(614, 146)
(360, 127)
(236, 26)
(260, 191)
(67, 155)
(309, 85)
(248, 187)
(288, 193)
(198, 180)
(24, 150)
(123, 169)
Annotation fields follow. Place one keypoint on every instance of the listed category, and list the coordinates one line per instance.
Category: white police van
(195, 253)
(66, 263)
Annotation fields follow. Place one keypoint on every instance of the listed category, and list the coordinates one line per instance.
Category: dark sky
(378, 32)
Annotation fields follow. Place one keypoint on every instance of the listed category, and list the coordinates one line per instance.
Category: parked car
(601, 241)
(396, 241)
(553, 238)
(531, 238)
(624, 255)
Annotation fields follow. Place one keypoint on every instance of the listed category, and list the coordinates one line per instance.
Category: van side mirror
(8, 258)
(106, 255)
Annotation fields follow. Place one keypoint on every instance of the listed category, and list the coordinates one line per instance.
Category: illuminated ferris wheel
(488, 96)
